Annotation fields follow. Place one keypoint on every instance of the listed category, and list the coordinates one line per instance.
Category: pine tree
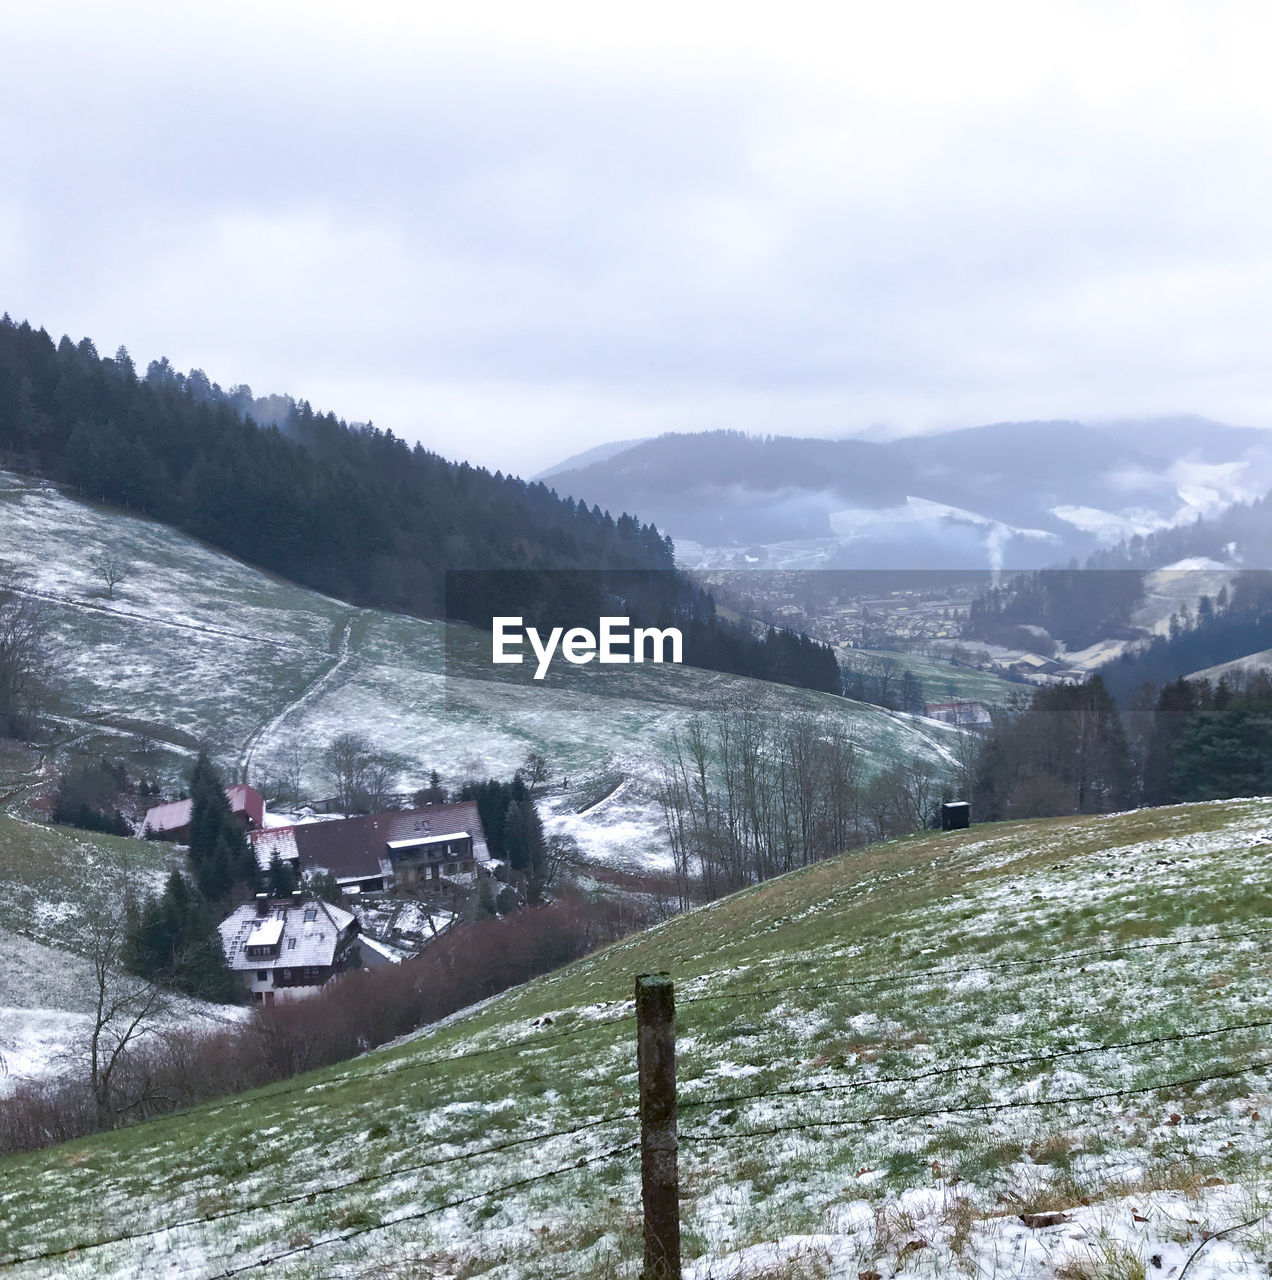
(282, 878)
(219, 851)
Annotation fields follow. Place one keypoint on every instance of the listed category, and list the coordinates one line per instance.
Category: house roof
(169, 817)
(416, 842)
(301, 942)
(177, 813)
(247, 800)
(274, 842)
(355, 847)
(266, 932)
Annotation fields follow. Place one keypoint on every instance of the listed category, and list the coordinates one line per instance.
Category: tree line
(350, 510)
(746, 795)
(1076, 606)
(1235, 623)
(1073, 750)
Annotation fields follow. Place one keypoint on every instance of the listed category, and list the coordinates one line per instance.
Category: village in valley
(287, 942)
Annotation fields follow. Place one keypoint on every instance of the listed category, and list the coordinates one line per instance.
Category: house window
(286, 974)
(262, 975)
(451, 868)
(311, 914)
(291, 944)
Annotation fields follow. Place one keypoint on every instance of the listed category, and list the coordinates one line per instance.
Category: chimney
(262, 904)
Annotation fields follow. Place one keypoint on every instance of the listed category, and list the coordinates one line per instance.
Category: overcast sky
(517, 233)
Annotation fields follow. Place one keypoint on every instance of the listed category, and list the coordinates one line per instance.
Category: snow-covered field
(1027, 1050)
(195, 648)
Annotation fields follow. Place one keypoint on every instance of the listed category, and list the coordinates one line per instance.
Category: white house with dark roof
(281, 948)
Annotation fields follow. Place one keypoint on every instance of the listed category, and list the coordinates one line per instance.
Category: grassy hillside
(194, 647)
(52, 881)
(946, 682)
(884, 1060)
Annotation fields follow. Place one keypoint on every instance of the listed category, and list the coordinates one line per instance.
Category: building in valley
(281, 948)
(172, 821)
(439, 843)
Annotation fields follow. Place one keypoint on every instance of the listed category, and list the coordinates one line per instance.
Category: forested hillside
(1220, 631)
(1242, 534)
(1073, 605)
(349, 510)
(352, 511)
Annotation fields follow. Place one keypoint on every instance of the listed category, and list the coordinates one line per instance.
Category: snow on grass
(813, 1023)
(197, 649)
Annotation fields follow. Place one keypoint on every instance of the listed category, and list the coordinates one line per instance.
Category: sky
(517, 231)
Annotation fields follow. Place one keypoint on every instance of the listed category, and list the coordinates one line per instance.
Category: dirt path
(318, 684)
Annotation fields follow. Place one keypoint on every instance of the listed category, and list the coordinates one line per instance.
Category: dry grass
(1105, 1260)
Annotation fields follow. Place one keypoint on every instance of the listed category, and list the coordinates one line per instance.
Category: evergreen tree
(527, 846)
(173, 939)
(324, 885)
(219, 851)
(1225, 753)
(282, 878)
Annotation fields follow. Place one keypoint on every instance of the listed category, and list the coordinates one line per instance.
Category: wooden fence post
(659, 1180)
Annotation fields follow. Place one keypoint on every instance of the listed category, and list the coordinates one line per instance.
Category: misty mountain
(1021, 494)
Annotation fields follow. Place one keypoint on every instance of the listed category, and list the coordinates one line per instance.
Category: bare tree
(362, 778)
(291, 764)
(347, 758)
(25, 662)
(534, 772)
(378, 778)
(126, 1009)
(111, 569)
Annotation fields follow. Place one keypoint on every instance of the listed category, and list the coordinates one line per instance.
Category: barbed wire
(968, 1108)
(256, 1096)
(417, 1214)
(542, 1040)
(970, 1068)
(306, 1197)
(961, 970)
(232, 1102)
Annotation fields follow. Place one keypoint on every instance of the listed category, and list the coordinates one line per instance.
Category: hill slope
(883, 1060)
(197, 648)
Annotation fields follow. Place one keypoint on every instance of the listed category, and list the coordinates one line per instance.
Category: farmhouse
(287, 947)
(172, 821)
(440, 842)
(967, 715)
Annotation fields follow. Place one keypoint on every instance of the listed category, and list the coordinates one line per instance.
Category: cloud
(519, 233)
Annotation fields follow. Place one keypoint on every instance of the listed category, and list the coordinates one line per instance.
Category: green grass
(51, 876)
(943, 681)
(822, 977)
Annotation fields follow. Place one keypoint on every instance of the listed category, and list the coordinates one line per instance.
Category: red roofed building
(172, 821)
